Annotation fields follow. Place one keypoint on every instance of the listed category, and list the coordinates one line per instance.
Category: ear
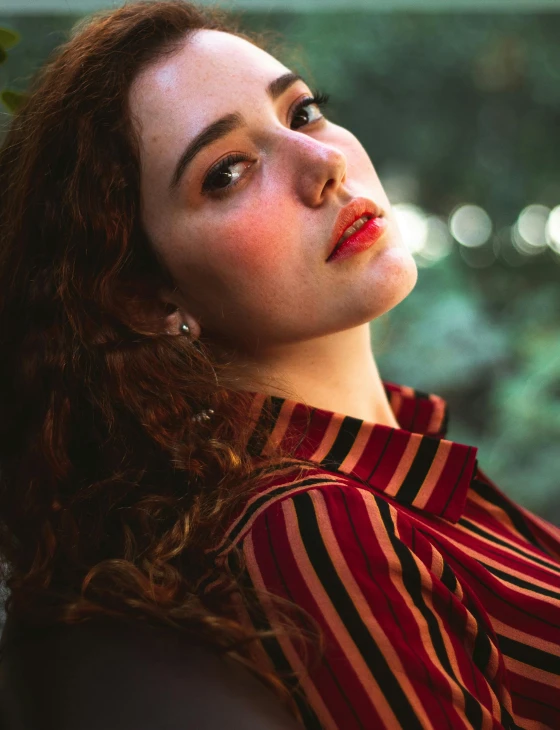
(176, 314)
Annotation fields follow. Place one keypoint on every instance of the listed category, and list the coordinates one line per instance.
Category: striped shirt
(439, 597)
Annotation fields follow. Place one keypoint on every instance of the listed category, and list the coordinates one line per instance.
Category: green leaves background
(12, 100)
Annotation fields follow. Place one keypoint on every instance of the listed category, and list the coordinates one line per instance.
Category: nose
(319, 170)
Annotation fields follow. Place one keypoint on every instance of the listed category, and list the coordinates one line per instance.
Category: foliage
(9, 38)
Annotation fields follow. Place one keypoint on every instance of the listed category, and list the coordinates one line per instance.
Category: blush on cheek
(256, 246)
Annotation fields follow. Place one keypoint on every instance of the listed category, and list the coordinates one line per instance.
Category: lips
(349, 215)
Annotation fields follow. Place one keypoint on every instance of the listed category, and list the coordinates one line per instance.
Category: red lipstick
(361, 239)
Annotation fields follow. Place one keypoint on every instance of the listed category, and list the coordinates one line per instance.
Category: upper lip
(349, 215)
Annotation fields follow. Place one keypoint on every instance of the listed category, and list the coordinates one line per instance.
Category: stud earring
(185, 329)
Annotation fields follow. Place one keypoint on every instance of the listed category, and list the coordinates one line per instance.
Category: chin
(398, 282)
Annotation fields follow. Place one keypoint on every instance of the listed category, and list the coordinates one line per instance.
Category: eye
(318, 99)
(220, 178)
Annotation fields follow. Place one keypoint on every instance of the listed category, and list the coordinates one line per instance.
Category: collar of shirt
(414, 464)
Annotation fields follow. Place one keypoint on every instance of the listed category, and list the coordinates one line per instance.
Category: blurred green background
(460, 113)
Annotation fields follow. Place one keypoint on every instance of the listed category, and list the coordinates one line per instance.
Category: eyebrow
(223, 126)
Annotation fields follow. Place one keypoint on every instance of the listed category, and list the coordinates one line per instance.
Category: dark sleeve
(117, 676)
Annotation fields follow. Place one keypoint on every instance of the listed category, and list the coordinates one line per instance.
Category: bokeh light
(427, 236)
(470, 225)
(413, 225)
(528, 232)
(438, 243)
(552, 229)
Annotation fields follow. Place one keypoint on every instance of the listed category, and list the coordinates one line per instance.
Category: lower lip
(362, 239)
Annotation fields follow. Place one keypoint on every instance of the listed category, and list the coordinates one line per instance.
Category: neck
(337, 373)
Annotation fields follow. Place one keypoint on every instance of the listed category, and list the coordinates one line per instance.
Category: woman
(195, 432)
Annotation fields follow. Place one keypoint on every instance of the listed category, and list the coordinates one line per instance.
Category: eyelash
(319, 99)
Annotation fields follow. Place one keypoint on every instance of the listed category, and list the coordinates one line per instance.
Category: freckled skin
(251, 267)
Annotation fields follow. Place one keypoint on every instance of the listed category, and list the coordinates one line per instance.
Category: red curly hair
(110, 495)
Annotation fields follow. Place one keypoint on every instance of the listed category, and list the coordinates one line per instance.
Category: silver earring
(185, 329)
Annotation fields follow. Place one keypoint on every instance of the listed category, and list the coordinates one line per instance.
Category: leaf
(12, 100)
(8, 38)
(3, 55)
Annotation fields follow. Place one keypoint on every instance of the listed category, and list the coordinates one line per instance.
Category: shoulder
(336, 513)
(291, 488)
(113, 674)
(336, 522)
(280, 491)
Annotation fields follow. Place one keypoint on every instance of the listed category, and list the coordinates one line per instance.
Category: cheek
(254, 242)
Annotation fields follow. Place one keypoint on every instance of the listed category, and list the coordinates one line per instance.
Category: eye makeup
(220, 172)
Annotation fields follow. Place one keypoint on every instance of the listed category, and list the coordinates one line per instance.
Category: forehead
(209, 72)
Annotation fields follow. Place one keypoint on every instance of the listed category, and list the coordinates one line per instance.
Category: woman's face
(247, 247)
